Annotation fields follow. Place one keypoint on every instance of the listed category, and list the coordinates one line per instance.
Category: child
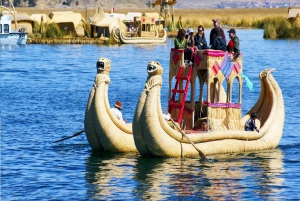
(203, 127)
(250, 124)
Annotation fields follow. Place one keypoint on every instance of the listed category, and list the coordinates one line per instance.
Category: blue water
(44, 92)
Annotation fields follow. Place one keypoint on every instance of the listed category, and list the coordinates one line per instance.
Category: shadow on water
(224, 177)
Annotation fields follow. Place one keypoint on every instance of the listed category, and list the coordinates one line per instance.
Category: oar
(74, 135)
(202, 156)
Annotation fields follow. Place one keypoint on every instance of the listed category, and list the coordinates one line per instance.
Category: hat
(118, 105)
(189, 30)
(216, 20)
(231, 31)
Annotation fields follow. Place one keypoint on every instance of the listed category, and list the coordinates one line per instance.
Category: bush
(52, 31)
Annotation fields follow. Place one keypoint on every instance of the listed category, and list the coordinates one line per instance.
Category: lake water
(44, 92)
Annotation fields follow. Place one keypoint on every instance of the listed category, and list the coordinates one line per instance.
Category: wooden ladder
(181, 105)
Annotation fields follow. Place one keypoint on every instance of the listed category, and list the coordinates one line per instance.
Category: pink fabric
(223, 105)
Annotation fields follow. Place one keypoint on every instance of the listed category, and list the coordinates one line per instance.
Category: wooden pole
(74, 135)
(202, 156)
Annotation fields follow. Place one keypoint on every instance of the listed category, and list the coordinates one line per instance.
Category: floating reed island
(278, 23)
(67, 41)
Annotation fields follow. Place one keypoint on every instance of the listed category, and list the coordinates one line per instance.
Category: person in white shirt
(117, 111)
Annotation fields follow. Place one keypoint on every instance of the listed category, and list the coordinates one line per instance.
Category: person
(217, 37)
(250, 124)
(180, 42)
(200, 40)
(203, 127)
(190, 44)
(117, 111)
(233, 45)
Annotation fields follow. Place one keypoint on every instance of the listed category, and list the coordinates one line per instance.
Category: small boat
(147, 29)
(136, 39)
(210, 75)
(9, 36)
(103, 130)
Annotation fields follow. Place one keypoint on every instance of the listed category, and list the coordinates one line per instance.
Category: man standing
(217, 33)
(233, 45)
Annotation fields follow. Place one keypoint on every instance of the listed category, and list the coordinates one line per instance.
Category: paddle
(74, 135)
(202, 156)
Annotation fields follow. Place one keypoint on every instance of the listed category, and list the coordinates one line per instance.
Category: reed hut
(293, 13)
(68, 22)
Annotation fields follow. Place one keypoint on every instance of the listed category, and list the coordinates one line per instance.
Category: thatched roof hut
(106, 25)
(68, 21)
(293, 13)
(39, 18)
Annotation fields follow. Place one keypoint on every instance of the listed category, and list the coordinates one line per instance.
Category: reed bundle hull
(103, 130)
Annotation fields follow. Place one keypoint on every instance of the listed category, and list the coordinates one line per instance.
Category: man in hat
(233, 45)
(217, 32)
(250, 124)
(117, 111)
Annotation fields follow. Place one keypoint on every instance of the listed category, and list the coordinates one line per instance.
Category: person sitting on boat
(200, 40)
(190, 44)
(250, 124)
(204, 127)
(181, 43)
(233, 45)
(117, 111)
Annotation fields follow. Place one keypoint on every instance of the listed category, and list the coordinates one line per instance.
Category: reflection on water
(224, 177)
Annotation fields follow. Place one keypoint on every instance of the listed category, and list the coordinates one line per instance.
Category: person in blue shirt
(200, 40)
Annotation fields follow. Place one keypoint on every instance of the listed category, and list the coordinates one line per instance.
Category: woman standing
(200, 40)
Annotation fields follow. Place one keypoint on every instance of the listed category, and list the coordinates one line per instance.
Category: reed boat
(103, 130)
(155, 37)
(198, 97)
(146, 29)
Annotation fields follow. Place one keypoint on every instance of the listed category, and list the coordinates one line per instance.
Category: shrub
(52, 31)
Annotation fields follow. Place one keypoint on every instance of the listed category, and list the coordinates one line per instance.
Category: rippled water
(44, 91)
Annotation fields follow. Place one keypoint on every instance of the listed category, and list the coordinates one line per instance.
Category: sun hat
(216, 20)
(231, 31)
(189, 30)
(118, 105)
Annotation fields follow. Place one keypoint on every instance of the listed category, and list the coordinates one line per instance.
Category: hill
(144, 4)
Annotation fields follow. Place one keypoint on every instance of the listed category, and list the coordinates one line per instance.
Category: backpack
(218, 43)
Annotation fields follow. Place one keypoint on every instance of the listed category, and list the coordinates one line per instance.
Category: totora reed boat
(103, 130)
(210, 91)
(156, 38)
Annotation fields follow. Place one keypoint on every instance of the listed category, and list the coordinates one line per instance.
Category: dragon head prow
(154, 68)
(103, 66)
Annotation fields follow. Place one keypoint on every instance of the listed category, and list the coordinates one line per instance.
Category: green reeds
(280, 28)
(52, 31)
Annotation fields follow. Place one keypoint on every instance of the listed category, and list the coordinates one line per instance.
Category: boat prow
(155, 136)
(103, 130)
